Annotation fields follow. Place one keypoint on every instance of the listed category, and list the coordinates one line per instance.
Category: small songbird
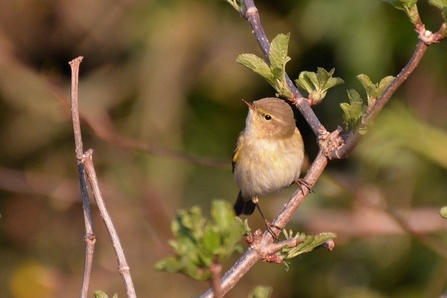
(269, 153)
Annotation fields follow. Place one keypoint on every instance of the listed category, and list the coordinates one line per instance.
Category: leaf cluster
(199, 242)
(411, 10)
(316, 84)
(275, 72)
(101, 294)
(306, 244)
(354, 111)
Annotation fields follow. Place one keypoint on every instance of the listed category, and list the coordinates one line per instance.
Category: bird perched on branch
(269, 153)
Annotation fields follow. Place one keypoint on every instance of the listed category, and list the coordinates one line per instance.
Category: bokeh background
(160, 98)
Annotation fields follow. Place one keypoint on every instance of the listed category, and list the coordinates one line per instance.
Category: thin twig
(236, 272)
(251, 14)
(85, 165)
(102, 126)
(352, 140)
(123, 268)
(89, 237)
(216, 270)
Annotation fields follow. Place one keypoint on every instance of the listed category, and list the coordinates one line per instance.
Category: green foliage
(409, 6)
(236, 5)
(306, 244)
(199, 242)
(101, 294)
(261, 292)
(373, 91)
(317, 84)
(442, 5)
(353, 111)
(443, 212)
(400, 126)
(275, 73)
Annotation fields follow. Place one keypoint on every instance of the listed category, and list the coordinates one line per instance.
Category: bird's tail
(243, 206)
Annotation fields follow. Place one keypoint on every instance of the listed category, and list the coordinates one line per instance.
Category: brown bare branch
(85, 166)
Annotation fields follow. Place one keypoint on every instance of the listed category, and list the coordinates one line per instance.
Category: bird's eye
(267, 117)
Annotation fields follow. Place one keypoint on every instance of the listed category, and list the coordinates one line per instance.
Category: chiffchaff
(269, 153)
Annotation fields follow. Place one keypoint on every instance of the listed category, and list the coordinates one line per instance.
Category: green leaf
(210, 239)
(409, 6)
(306, 243)
(374, 91)
(235, 4)
(199, 242)
(221, 214)
(275, 73)
(317, 84)
(278, 53)
(443, 212)
(401, 4)
(257, 65)
(261, 292)
(353, 111)
(101, 294)
(442, 5)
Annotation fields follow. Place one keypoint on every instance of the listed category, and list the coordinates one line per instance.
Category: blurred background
(160, 98)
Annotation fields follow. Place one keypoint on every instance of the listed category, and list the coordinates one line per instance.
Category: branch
(266, 245)
(103, 128)
(251, 14)
(85, 165)
(123, 268)
(331, 146)
(352, 140)
(89, 237)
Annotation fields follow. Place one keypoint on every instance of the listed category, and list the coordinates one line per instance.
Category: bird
(269, 154)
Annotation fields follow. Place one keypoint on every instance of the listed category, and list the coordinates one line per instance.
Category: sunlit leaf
(409, 6)
(261, 292)
(199, 242)
(353, 111)
(442, 5)
(274, 73)
(317, 83)
(278, 53)
(306, 243)
(374, 91)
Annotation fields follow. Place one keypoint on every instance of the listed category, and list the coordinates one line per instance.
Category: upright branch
(251, 14)
(89, 237)
(85, 166)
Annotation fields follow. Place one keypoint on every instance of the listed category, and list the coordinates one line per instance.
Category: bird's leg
(269, 226)
(303, 183)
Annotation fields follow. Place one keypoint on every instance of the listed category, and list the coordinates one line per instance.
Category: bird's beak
(249, 104)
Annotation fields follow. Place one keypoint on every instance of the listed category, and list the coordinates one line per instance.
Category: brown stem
(88, 223)
(266, 245)
(103, 128)
(352, 140)
(216, 270)
(251, 14)
(85, 166)
(123, 268)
